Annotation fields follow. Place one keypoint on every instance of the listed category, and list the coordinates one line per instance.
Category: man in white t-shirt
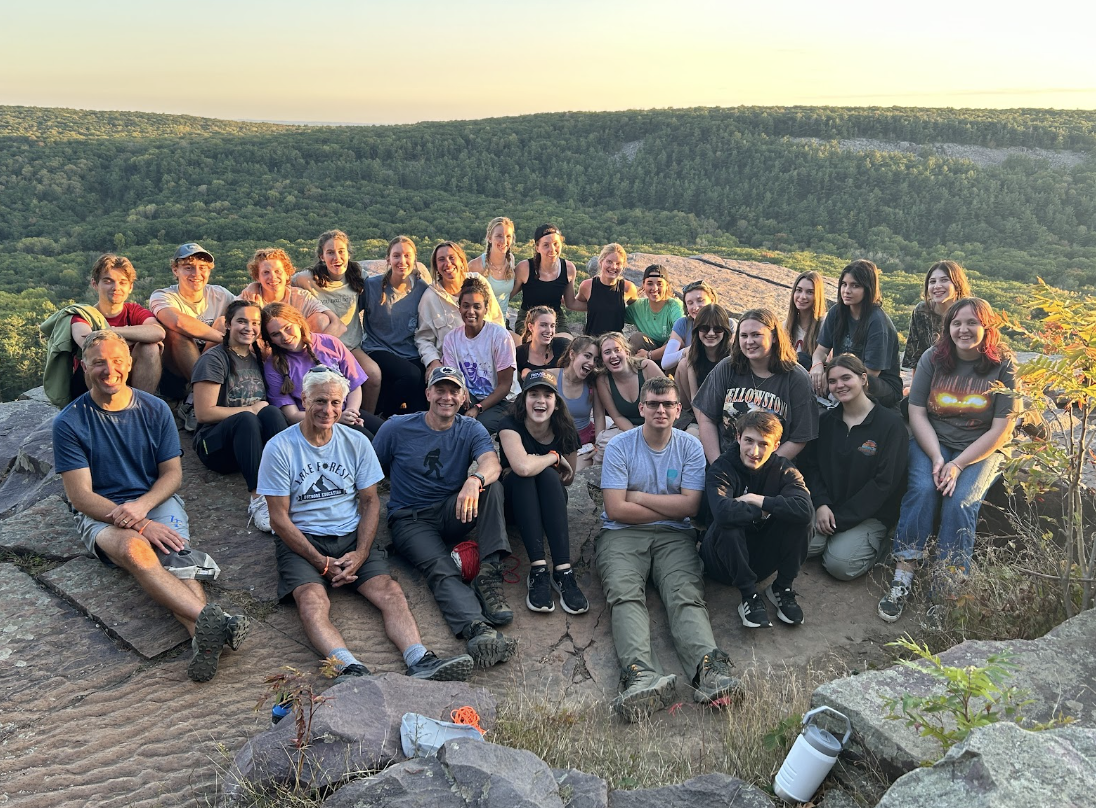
(320, 482)
(191, 311)
(653, 480)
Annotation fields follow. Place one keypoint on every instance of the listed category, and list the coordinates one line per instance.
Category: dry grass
(687, 741)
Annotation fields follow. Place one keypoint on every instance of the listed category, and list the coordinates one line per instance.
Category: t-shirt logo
(868, 448)
(432, 464)
(322, 488)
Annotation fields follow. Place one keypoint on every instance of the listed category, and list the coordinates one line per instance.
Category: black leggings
(539, 507)
(236, 443)
(402, 382)
(741, 556)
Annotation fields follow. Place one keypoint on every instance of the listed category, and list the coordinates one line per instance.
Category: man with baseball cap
(191, 311)
(435, 502)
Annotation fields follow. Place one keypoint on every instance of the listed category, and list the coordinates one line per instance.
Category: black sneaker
(713, 678)
(210, 634)
(753, 613)
(487, 646)
(539, 598)
(570, 596)
(354, 671)
(786, 607)
(892, 603)
(453, 669)
(488, 588)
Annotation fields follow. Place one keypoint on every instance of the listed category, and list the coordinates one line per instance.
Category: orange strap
(468, 716)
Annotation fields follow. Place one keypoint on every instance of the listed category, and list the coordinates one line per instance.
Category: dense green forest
(741, 182)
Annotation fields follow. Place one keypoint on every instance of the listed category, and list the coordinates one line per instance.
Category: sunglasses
(661, 405)
(711, 329)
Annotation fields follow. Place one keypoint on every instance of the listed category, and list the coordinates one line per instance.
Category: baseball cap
(190, 249)
(446, 374)
(655, 271)
(544, 378)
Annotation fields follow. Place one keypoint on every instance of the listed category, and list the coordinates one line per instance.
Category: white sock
(904, 577)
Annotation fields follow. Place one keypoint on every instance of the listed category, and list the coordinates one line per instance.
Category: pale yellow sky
(388, 62)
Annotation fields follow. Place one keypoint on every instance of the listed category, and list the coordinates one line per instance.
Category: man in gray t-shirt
(652, 480)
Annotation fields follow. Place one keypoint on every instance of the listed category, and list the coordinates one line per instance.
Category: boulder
(581, 790)
(355, 729)
(17, 420)
(45, 529)
(493, 776)
(706, 791)
(418, 783)
(31, 477)
(1004, 766)
(1057, 670)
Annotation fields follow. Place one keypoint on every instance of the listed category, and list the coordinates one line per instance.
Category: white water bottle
(810, 760)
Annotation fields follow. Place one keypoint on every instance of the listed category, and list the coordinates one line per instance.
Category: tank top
(500, 289)
(627, 409)
(605, 308)
(581, 408)
(536, 292)
(704, 367)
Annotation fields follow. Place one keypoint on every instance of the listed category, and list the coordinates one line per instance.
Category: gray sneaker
(210, 635)
(643, 692)
(259, 513)
(713, 678)
(892, 603)
(237, 627)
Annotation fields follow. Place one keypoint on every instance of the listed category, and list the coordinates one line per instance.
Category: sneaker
(187, 416)
(453, 669)
(643, 692)
(570, 596)
(786, 607)
(713, 678)
(259, 513)
(539, 598)
(753, 613)
(353, 671)
(892, 603)
(487, 646)
(488, 588)
(210, 635)
(237, 627)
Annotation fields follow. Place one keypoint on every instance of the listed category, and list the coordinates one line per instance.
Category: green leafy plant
(781, 736)
(974, 696)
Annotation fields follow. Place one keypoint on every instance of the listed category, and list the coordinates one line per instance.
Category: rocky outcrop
(706, 791)
(1004, 766)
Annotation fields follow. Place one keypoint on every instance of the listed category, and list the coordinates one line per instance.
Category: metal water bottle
(811, 758)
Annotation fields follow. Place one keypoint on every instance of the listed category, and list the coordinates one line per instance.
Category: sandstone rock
(706, 791)
(355, 729)
(114, 600)
(1004, 766)
(581, 790)
(419, 783)
(49, 655)
(45, 529)
(493, 776)
(1058, 671)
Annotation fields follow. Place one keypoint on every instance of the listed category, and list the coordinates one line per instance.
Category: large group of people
(731, 449)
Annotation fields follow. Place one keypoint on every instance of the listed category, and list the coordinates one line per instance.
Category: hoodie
(778, 481)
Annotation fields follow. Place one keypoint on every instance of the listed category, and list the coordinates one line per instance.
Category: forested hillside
(735, 181)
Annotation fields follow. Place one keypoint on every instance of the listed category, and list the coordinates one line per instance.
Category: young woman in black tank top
(546, 279)
(605, 296)
(712, 335)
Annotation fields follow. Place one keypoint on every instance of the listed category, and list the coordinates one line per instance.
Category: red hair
(991, 351)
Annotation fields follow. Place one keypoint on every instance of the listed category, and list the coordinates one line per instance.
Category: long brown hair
(991, 351)
(414, 273)
(782, 356)
(560, 421)
(531, 317)
(712, 314)
(279, 355)
(956, 274)
(865, 273)
(319, 271)
(818, 311)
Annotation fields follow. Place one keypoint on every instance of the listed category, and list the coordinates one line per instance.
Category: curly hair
(474, 286)
(279, 356)
(270, 254)
(782, 356)
(991, 350)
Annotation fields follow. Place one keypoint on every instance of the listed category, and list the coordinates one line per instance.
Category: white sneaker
(259, 513)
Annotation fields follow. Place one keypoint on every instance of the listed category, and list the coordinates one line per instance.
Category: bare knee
(312, 601)
(384, 593)
(133, 553)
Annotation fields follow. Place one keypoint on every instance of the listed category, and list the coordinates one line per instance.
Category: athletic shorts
(294, 570)
(169, 512)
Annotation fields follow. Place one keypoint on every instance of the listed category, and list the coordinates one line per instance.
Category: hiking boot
(892, 603)
(353, 671)
(259, 513)
(487, 646)
(539, 598)
(713, 678)
(488, 588)
(570, 596)
(237, 627)
(643, 692)
(786, 607)
(753, 613)
(453, 669)
(210, 635)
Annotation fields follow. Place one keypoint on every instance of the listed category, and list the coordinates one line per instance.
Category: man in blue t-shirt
(320, 479)
(434, 503)
(652, 480)
(117, 451)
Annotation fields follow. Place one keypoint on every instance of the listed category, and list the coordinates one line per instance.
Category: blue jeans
(958, 513)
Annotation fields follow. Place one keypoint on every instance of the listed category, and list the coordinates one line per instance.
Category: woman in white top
(496, 263)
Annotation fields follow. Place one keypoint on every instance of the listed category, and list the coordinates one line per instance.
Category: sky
(370, 61)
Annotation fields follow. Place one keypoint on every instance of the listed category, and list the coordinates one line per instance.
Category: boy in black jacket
(761, 516)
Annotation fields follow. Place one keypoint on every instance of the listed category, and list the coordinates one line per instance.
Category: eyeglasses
(661, 405)
(719, 331)
(324, 369)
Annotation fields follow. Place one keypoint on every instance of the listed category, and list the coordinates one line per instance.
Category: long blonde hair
(510, 260)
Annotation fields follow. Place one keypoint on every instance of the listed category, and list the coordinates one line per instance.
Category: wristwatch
(481, 478)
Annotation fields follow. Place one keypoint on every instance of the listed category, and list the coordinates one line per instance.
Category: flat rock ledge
(1057, 670)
